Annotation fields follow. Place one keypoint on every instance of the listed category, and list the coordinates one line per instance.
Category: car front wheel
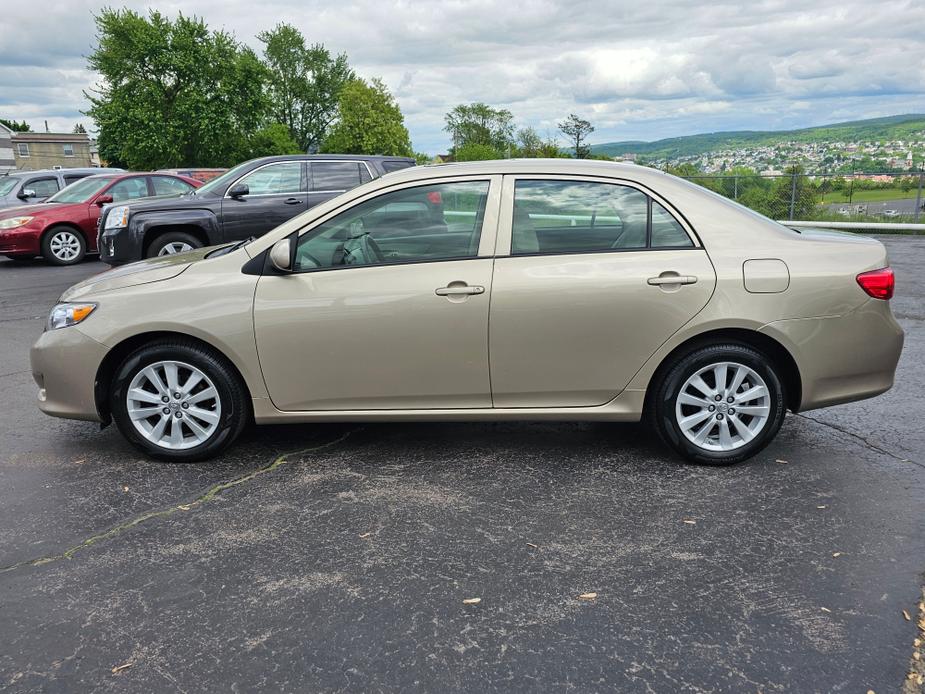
(64, 246)
(720, 404)
(178, 401)
(173, 243)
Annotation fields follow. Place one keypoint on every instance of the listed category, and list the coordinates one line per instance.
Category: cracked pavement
(337, 557)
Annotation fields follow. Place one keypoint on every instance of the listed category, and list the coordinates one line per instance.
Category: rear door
(276, 194)
(331, 178)
(591, 277)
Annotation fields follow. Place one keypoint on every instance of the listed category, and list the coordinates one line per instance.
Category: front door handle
(666, 278)
(459, 290)
(293, 201)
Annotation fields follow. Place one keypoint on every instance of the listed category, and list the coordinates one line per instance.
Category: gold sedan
(506, 290)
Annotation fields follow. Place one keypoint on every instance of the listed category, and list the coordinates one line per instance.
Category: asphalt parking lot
(337, 558)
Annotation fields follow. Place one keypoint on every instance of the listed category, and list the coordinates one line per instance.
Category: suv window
(434, 222)
(393, 165)
(275, 179)
(666, 231)
(165, 185)
(335, 176)
(43, 187)
(70, 178)
(129, 189)
(577, 217)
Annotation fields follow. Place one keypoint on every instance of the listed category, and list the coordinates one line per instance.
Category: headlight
(14, 222)
(66, 315)
(117, 217)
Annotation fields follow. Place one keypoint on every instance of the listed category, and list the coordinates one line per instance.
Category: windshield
(217, 185)
(7, 183)
(82, 190)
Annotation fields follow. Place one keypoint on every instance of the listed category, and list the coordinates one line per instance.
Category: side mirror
(238, 190)
(26, 193)
(103, 200)
(281, 255)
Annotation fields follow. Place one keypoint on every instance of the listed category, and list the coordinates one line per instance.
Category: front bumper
(64, 366)
(116, 247)
(843, 358)
(21, 240)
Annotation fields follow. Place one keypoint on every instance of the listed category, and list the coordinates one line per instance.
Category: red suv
(63, 228)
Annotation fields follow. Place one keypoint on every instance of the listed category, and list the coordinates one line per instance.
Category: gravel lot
(338, 558)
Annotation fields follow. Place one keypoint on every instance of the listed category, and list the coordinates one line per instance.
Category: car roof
(334, 157)
(76, 169)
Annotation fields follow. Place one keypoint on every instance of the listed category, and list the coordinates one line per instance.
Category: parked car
(28, 187)
(63, 228)
(617, 292)
(249, 200)
(890, 213)
(199, 174)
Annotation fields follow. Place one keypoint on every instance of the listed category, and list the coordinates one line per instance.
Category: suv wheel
(720, 404)
(63, 246)
(172, 243)
(178, 401)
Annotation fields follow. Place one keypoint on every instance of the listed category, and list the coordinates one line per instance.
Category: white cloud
(637, 70)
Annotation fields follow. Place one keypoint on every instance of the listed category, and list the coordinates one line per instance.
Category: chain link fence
(854, 197)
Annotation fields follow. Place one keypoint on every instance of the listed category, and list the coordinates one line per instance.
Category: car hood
(171, 202)
(142, 272)
(36, 208)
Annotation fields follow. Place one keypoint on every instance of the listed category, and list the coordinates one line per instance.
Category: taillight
(878, 283)
(435, 197)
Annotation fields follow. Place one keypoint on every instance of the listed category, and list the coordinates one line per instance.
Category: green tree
(369, 121)
(15, 126)
(529, 143)
(475, 151)
(304, 85)
(173, 93)
(480, 124)
(79, 129)
(273, 139)
(577, 130)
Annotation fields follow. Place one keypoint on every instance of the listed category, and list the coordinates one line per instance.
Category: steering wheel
(370, 249)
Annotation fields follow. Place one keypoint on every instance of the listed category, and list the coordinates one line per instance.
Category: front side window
(335, 176)
(275, 179)
(43, 187)
(164, 185)
(577, 217)
(129, 189)
(434, 222)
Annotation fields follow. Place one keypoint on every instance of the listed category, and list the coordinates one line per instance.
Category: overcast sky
(636, 70)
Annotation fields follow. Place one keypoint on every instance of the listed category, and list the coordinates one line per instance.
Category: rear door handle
(457, 290)
(293, 201)
(672, 279)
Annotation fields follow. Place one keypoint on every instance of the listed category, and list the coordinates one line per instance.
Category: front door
(387, 306)
(276, 194)
(597, 277)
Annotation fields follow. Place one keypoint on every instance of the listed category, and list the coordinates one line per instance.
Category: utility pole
(793, 190)
(918, 195)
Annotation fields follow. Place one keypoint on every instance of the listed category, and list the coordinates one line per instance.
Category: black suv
(248, 200)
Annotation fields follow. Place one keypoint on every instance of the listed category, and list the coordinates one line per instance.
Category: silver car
(30, 187)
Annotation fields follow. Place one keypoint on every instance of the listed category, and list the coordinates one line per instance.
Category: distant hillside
(889, 128)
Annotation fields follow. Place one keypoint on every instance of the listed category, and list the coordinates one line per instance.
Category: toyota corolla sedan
(544, 290)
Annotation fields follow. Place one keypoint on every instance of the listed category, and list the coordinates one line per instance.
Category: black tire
(171, 237)
(52, 253)
(235, 411)
(668, 388)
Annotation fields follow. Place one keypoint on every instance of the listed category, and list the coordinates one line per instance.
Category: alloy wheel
(723, 406)
(65, 246)
(175, 247)
(173, 405)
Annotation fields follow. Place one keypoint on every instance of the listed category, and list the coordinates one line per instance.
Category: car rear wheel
(720, 404)
(64, 246)
(173, 243)
(178, 401)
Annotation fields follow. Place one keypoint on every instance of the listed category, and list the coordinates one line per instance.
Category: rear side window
(666, 232)
(43, 187)
(335, 176)
(69, 179)
(395, 165)
(587, 217)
